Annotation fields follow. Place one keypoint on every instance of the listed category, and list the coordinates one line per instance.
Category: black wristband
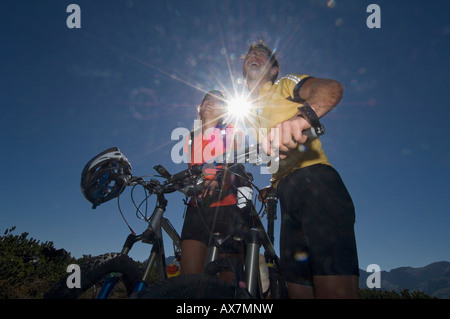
(311, 117)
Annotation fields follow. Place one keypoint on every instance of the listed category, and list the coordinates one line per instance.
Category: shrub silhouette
(27, 267)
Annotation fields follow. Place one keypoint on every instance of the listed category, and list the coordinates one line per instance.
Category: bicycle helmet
(105, 176)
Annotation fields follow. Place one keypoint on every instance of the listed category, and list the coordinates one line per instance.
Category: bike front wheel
(196, 286)
(117, 271)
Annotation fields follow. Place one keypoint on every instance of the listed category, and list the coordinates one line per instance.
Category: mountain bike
(102, 274)
(258, 277)
(107, 175)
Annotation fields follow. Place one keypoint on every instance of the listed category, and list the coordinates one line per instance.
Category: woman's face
(212, 109)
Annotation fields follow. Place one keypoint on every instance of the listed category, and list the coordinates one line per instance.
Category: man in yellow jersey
(317, 241)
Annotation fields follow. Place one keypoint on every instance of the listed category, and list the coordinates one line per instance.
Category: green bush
(27, 267)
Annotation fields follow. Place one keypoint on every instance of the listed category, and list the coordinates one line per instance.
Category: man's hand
(285, 136)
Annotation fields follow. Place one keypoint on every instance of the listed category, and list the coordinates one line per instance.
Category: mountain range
(433, 279)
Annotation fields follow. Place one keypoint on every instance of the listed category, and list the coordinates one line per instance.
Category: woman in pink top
(214, 208)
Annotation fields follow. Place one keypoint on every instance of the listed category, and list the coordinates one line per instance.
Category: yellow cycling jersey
(274, 105)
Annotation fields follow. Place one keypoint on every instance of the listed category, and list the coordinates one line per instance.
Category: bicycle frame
(255, 238)
(152, 235)
(186, 182)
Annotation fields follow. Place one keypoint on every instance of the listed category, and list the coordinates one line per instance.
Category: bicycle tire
(94, 270)
(194, 286)
(278, 286)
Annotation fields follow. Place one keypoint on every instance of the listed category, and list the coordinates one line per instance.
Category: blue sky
(134, 72)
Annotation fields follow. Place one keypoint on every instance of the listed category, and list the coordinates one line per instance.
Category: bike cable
(123, 217)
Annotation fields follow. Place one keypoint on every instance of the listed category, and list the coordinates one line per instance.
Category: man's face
(257, 66)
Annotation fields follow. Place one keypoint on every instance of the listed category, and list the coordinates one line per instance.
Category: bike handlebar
(192, 175)
(189, 180)
(194, 170)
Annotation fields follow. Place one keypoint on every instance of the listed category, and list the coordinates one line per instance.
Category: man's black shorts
(201, 222)
(317, 228)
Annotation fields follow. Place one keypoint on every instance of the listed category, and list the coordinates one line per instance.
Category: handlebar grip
(193, 170)
(311, 133)
(180, 176)
(196, 169)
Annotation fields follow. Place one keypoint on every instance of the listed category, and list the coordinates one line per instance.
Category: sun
(238, 107)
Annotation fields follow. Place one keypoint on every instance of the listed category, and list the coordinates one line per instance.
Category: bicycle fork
(153, 235)
(250, 273)
(254, 242)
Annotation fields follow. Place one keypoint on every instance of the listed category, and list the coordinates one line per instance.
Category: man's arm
(322, 95)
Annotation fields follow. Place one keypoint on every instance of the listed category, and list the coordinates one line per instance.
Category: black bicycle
(116, 275)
